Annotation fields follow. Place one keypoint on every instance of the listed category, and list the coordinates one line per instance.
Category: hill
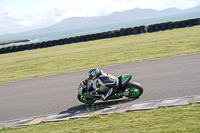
(115, 17)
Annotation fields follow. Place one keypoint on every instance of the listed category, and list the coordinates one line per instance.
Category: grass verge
(168, 119)
(58, 59)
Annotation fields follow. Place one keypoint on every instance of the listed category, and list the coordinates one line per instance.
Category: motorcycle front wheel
(86, 100)
(134, 89)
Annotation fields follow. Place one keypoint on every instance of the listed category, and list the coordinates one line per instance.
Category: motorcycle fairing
(124, 79)
(107, 80)
(80, 90)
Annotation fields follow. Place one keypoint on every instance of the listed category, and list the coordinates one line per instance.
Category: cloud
(155, 4)
(9, 12)
(181, 4)
(13, 21)
(24, 23)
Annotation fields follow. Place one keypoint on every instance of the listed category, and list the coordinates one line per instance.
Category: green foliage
(84, 55)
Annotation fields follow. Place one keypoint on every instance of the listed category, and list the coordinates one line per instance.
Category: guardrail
(109, 34)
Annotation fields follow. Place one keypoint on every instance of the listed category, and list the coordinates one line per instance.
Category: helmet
(94, 73)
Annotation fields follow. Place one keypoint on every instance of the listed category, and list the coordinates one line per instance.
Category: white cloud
(24, 23)
(9, 12)
(13, 21)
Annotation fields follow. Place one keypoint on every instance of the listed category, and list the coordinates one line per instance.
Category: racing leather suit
(106, 83)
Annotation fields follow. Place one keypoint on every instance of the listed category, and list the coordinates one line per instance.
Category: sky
(22, 15)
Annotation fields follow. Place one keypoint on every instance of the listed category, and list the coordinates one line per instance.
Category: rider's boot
(124, 94)
(107, 94)
(114, 96)
(117, 96)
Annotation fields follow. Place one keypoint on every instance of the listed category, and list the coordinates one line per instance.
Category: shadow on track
(86, 108)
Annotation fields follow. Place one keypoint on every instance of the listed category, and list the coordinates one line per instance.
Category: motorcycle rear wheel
(86, 100)
(134, 90)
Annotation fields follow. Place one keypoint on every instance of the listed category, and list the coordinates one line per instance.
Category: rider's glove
(85, 81)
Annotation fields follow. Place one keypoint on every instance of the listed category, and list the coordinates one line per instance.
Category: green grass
(71, 57)
(180, 119)
(10, 41)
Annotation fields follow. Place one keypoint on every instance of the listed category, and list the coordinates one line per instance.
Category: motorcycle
(126, 88)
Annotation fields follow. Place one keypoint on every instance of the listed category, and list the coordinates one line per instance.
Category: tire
(66, 40)
(92, 37)
(196, 21)
(32, 46)
(45, 44)
(55, 42)
(20, 47)
(151, 28)
(116, 33)
(183, 24)
(170, 25)
(110, 34)
(143, 29)
(177, 24)
(87, 37)
(134, 89)
(163, 26)
(76, 39)
(3, 50)
(190, 22)
(136, 30)
(8, 49)
(122, 32)
(157, 27)
(85, 100)
(97, 36)
(60, 42)
(27, 47)
(129, 31)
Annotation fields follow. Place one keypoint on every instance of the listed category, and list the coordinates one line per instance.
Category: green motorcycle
(126, 88)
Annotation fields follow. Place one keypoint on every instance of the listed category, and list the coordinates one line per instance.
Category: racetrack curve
(162, 78)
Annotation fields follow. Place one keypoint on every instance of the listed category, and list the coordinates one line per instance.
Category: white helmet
(94, 73)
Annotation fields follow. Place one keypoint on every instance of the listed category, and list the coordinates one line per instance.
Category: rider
(103, 82)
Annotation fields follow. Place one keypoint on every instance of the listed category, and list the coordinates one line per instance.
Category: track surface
(161, 78)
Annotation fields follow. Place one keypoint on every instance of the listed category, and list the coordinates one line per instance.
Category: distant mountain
(194, 9)
(77, 22)
(137, 14)
(115, 17)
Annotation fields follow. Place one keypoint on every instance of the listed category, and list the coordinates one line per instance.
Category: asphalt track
(161, 78)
